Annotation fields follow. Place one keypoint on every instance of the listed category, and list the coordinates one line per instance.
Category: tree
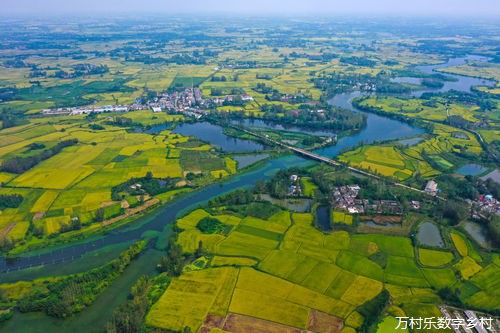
(6, 243)
(99, 215)
(173, 262)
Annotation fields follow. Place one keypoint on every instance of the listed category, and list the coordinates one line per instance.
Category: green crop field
(341, 217)
(309, 187)
(296, 269)
(434, 258)
(77, 181)
(254, 259)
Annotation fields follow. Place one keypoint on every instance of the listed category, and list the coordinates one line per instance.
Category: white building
(431, 187)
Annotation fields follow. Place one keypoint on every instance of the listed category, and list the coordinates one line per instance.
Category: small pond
(323, 218)
(378, 225)
(246, 160)
(471, 169)
(295, 205)
(477, 232)
(429, 234)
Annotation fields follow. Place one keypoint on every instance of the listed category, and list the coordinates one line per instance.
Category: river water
(378, 128)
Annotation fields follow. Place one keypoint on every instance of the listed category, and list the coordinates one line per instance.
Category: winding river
(98, 250)
(378, 128)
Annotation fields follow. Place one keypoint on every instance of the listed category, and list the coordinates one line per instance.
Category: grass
(360, 265)
(440, 278)
(78, 180)
(403, 271)
(388, 325)
(232, 261)
(309, 188)
(300, 269)
(386, 160)
(44, 201)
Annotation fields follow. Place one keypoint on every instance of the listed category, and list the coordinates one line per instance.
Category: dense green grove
(69, 295)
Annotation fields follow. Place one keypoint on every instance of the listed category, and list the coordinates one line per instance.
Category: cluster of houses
(177, 100)
(294, 189)
(190, 100)
(365, 86)
(345, 199)
(484, 206)
(231, 99)
(87, 110)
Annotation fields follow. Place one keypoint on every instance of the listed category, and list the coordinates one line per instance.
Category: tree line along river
(96, 251)
(378, 128)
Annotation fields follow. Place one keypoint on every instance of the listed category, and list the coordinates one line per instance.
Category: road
(327, 160)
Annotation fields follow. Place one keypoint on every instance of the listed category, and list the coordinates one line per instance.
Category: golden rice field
(78, 180)
(282, 270)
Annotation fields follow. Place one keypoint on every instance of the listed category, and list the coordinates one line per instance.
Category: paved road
(327, 160)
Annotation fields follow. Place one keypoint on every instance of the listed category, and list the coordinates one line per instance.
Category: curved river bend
(378, 128)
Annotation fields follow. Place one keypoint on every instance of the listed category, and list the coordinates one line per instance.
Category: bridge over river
(320, 158)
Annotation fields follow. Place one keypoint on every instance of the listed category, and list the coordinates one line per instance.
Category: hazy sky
(257, 7)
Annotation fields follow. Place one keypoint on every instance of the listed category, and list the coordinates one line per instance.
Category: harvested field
(236, 323)
(324, 323)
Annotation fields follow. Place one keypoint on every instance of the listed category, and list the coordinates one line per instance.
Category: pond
(214, 135)
(246, 160)
(429, 234)
(379, 225)
(478, 233)
(323, 218)
(471, 169)
(295, 205)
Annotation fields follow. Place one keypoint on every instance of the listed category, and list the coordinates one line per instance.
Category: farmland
(292, 271)
(78, 182)
(91, 161)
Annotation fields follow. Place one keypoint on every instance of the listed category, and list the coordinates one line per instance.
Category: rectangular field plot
(267, 297)
(360, 265)
(404, 271)
(393, 245)
(44, 201)
(241, 244)
(51, 178)
(191, 297)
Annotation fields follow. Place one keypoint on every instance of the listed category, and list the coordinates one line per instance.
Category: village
(345, 199)
(189, 101)
(484, 206)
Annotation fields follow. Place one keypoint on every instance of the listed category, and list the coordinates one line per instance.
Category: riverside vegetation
(413, 107)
